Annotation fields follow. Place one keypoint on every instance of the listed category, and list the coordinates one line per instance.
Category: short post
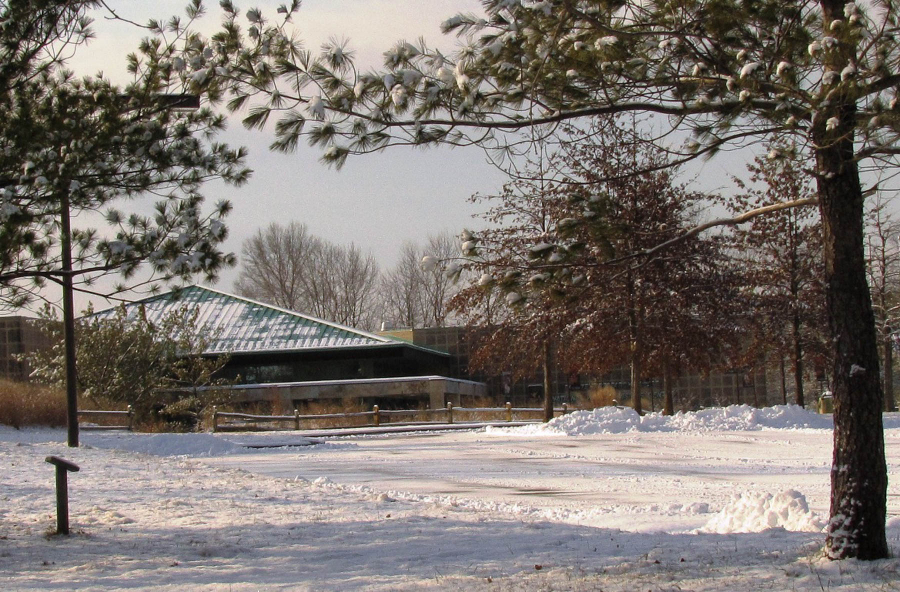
(215, 419)
(62, 492)
(565, 408)
(130, 418)
(375, 415)
(508, 411)
(450, 412)
(296, 418)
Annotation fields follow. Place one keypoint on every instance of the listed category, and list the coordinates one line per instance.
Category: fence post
(130, 419)
(296, 418)
(508, 411)
(377, 418)
(215, 419)
(450, 412)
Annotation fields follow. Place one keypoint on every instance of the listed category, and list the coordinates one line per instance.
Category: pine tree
(81, 149)
(822, 73)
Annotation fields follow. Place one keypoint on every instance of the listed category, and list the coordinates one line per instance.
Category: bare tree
(883, 250)
(438, 286)
(273, 264)
(416, 295)
(356, 288)
(290, 267)
(402, 288)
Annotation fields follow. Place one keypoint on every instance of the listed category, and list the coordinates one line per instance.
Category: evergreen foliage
(97, 150)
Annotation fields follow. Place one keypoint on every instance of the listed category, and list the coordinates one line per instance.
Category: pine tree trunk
(859, 471)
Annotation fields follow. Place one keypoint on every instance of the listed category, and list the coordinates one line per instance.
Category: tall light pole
(69, 320)
(164, 101)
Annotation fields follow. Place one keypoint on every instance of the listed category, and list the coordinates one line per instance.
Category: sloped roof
(242, 325)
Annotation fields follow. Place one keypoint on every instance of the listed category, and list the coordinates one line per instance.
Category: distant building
(19, 335)
(283, 355)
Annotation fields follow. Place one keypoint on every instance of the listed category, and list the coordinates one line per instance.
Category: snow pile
(604, 420)
(193, 445)
(618, 420)
(757, 512)
(739, 418)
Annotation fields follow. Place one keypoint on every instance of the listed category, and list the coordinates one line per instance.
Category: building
(19, 335)
(691, 391)
(278, 355)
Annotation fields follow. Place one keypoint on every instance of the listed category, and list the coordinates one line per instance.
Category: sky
(376, 201)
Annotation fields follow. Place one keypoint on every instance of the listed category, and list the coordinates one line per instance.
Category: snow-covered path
(634, 482)
(611, 509)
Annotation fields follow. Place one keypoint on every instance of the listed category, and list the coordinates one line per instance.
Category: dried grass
(598, 396)
(24, 404)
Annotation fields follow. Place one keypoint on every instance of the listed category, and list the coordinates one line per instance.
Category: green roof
(242, 325)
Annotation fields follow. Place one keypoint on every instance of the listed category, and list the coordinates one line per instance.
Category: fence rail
(128, 414)
(235, 421)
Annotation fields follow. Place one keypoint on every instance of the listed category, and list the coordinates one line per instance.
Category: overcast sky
(376, 201)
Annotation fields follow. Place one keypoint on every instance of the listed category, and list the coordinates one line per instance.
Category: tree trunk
(888, 345)
(798, 359)
(859, 471)
(783, 382)
(636, 350)
(548, 384)
(669, 404)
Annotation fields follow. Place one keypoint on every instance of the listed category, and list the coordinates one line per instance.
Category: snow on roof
(242, 325)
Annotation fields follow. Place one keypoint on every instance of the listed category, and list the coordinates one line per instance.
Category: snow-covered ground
(730, 499)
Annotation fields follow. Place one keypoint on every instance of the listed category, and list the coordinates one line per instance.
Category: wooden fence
(128, 415)
(376, 417)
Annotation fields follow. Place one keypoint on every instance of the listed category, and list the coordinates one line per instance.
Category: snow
(720, 499)
(619, 420)
(760, 512)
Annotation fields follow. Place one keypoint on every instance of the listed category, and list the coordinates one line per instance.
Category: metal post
(508, 411)
(296, 418)
(450, 412)
(376, 416)
(62, 492)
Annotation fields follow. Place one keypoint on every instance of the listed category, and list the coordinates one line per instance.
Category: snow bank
(757, 512)
(618, 420)
(189, 445)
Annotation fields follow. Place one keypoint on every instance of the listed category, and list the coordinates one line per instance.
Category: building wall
(18, 335)
(690, 392)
